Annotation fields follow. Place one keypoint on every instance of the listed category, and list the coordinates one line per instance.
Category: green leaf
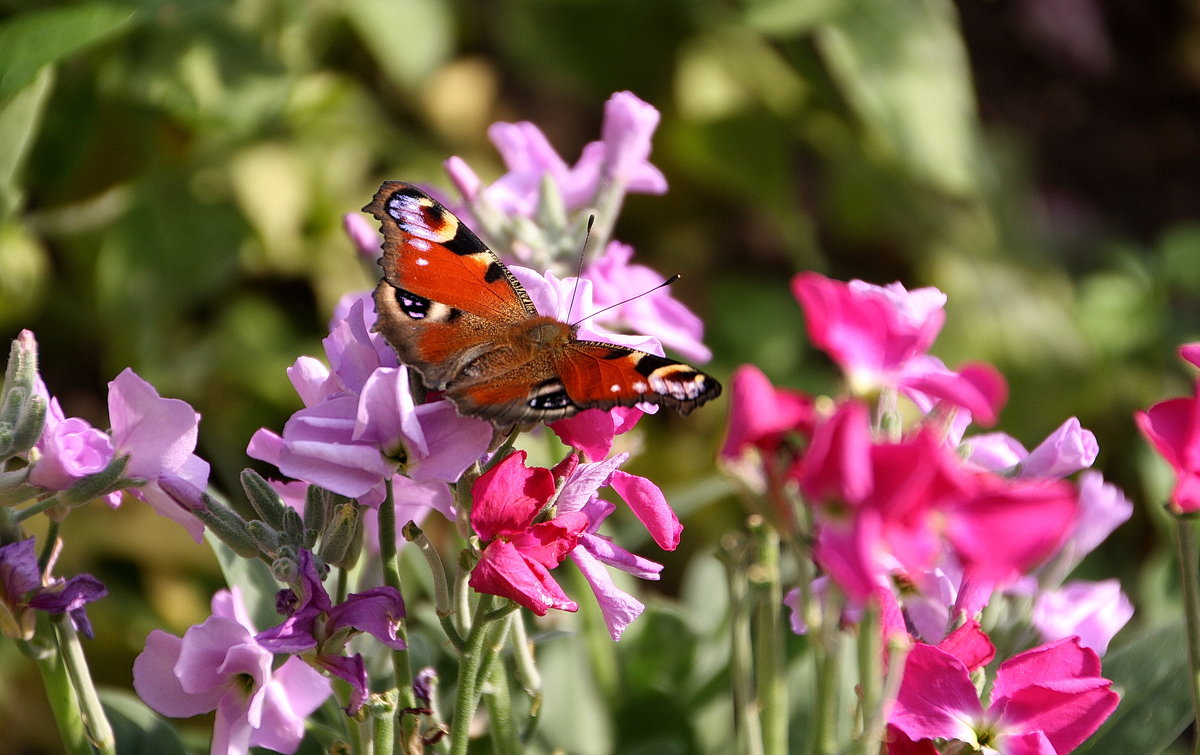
(902, 67)
(1151, 675)
(33, 40)
(408, 38)
(138, 730)
(253, 579)
(19, 119)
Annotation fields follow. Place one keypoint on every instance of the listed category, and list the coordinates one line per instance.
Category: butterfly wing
(445, 299)
(568, 378)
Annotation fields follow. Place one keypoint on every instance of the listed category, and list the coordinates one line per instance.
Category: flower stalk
(1189, 564)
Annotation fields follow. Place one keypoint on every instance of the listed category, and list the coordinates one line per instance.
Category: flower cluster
(922, 520)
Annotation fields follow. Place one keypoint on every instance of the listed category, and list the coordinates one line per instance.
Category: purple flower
(159, 435)
(656, 314)
(1092, 611)
(219, 665)
(629, 125)
(22, 591)
(360, 426)
(317, 625)
(621, 157)
(69, 450)
(1065, 451)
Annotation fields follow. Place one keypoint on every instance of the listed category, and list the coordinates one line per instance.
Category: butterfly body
(457, 315)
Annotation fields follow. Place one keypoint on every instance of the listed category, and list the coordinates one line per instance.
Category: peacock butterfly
(456, 314)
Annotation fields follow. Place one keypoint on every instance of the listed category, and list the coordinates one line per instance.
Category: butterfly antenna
(579, 271)
(667, 282)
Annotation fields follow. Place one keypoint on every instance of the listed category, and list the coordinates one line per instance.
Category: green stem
(746, 723)
(1189, 561)
(383, 733)
(60, 693)
(99, 730)
(499, 697)
(770, 653)
(401, 664)
(870, 683)
(468, 678)
(827, 652)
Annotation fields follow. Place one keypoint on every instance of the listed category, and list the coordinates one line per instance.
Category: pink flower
(882, 506)
(1092, 611)
(592, 431)
(219, 665)
(761, 415)
(1173, 428)
(659, 314)
(1065, 451)
(518, 554)
(880, 337)
(1045, 700)
(159, 435)
(68, 450)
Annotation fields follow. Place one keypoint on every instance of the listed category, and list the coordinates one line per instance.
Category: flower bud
(22, 408)
(227, 525)
(107, 480)
(263, 498)
(342, 536)
(267, 538)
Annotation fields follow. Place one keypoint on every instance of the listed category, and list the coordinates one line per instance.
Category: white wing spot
(421, 244)
(422, 261)
(640, 387)
(614, 388)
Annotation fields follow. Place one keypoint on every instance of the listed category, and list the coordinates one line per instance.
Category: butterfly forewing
(428, 252)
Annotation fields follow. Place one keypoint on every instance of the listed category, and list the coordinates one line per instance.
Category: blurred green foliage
(173, 173)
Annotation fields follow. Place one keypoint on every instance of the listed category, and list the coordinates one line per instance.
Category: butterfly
(456, 314)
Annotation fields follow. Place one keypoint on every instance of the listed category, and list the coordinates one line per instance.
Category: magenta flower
(762, 416)
(159, 436)
(880, 337)
(882, 506)
(1045, 700)
(578, 492)
(592, 431)
(68, 450)
(219, 665)
(1173, 428)
(23, 591)
(517, 553)
(1092, 611)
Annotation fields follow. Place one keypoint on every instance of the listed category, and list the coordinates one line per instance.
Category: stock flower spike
(219, 665)
(159, 435)
(517, 552)
(22, 592)
(1045, 700)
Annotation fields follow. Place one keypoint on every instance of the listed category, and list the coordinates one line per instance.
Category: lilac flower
(219, 665)
(621, 157)
(23, 591)
(658, 314)
(68, 450)
(1065, 451)
(1092, 611)
(365, 238)
(159, 435)
(360, 426)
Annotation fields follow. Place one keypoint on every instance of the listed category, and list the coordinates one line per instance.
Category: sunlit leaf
(408, 38)
(33, 40)
(19, 120)
(138, 729)
(901, 65)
